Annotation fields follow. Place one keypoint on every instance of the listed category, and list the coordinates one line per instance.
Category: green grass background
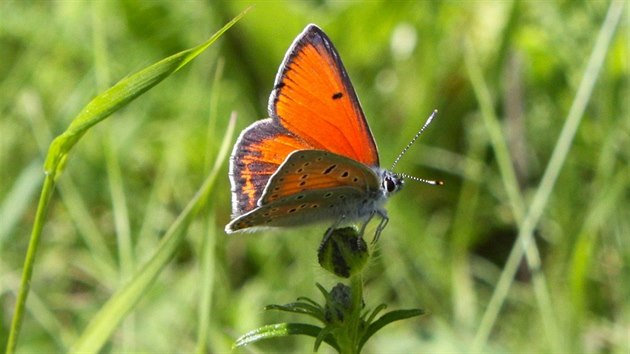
(445, 247)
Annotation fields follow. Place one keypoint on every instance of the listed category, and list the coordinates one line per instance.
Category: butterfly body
(315, 158)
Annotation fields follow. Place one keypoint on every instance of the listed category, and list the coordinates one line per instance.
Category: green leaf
(323, 291)
(282, 330)
(375, 312)
(387, 319)
(309, 300)
(325, 333)
(299, 307)
(119, 95)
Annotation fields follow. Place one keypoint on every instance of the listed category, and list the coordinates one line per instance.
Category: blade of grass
(40, 215)
(552, 171)
(604, 206)
(98, 109)
(114, 310)
(510, 183)
(119, 95)
(114, 174)
(71, 197)
(208, 243)
(464, 297)
(120, 211)
(207, 273)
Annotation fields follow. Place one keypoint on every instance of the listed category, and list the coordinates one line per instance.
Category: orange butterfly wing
(307, 170)
(257, 154)
(314, 99)
(309, 186)
(312, 106)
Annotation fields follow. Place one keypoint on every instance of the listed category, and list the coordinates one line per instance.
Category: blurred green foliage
(444, 248)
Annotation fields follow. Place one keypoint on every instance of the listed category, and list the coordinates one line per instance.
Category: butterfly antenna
(427, 181)
(404, 151)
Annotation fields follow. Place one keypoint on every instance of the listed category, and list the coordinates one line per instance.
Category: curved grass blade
(524, 242)
(98, 109)
(119, 95)
(115, 309)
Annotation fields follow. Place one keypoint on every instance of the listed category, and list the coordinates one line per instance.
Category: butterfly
(315, 158)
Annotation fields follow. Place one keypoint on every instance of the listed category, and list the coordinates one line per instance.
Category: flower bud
(343, 252)
(339, 304)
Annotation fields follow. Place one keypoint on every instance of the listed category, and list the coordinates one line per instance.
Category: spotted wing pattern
(308, 170)
(258, 153)
(311, 185)
(316, 205)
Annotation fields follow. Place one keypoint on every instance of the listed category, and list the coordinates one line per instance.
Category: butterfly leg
(365, 224)
(332, 228)
(381, 226)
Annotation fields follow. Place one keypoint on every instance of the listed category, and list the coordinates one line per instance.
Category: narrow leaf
(301, 308)
(306, 299)
(387, 319)
(281, 330)
(376, 311)
(325, 333)
(118, 96)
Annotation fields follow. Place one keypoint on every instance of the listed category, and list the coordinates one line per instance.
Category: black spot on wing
(337, 96)
(329, 169)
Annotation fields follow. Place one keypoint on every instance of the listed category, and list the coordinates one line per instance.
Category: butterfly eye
(390, 186)
(392, 183)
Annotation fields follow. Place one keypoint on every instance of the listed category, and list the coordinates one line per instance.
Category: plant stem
(29, 261)
(354, 322)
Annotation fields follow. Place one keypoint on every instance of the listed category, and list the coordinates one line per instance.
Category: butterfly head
(391, 182)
